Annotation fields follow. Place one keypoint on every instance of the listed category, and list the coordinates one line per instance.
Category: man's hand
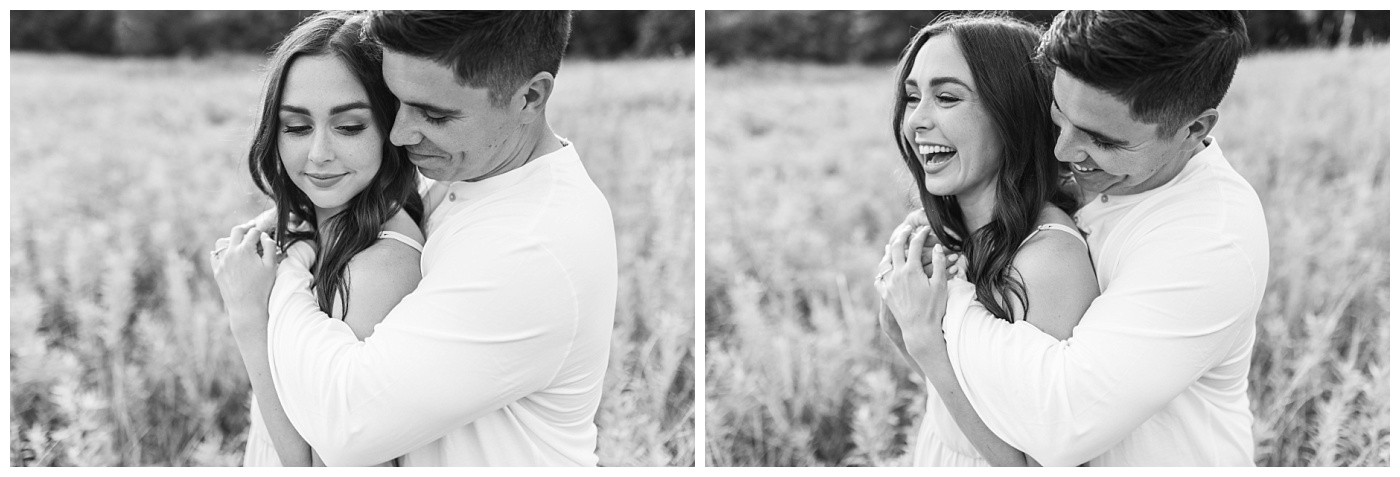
(245, 265)
(267, 222)
(957, 264)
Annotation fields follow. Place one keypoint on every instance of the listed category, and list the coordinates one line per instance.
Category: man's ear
(1198, 128)
(536, 93)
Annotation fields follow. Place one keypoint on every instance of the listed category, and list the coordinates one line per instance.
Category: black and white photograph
(1102, 238)
(352, 238)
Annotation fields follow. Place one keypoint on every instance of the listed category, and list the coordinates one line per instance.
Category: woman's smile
(325, 181)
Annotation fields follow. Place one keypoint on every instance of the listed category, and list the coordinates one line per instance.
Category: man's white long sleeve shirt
(497, 358)
(1156, 372)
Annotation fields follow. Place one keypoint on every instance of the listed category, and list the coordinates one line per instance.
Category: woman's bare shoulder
(402, 223)
(381, 275)
(1058, 275)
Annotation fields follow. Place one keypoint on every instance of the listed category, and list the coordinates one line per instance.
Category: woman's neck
(977, 206)
(322, 215)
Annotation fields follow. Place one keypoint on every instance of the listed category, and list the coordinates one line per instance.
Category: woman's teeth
(1080, 168)
(928, 149)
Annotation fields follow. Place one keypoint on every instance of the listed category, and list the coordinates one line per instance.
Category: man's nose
(1066, 149)
(404, 132)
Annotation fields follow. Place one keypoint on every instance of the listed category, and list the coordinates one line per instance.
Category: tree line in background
(596, 34)
(879, 36)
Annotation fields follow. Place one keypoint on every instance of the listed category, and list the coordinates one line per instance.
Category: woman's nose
(321, 150)
(921, 119)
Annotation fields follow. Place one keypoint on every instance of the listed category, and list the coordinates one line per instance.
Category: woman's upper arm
(379, 277)
(1059, 280)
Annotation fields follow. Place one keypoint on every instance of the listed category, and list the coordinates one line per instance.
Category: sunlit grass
(123, 172)
(804, 185)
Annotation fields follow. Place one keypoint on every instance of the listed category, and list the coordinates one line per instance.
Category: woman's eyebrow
(349, 106)
(334, 111)
(938, 81)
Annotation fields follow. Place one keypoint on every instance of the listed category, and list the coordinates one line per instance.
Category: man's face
(1110, 152)
(451, 131)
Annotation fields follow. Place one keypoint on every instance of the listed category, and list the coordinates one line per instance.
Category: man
(498, 357)
(1156, 371)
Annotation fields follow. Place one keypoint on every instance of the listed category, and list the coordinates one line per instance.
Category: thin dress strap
(389, 234)
(1061, 227)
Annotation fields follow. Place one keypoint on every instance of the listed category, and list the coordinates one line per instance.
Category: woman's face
(947, 125)
(327, 137)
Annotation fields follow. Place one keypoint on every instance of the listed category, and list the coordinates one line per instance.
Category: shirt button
(1103, 198)
(452, 197)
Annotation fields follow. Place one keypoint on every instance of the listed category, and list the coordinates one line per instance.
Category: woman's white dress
(941, 442)
(259, 451)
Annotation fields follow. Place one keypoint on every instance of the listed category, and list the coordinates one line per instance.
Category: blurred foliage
(879, 36)
(803, 185)
(596, 34)
(124, 170)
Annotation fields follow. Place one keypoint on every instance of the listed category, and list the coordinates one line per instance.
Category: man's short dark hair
(1169, 66)
(499, 50)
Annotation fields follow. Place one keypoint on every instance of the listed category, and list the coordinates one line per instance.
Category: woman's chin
(934, 187)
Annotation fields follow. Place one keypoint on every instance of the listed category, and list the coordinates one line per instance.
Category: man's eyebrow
(1101, 137)
(334, 111)
(432, 109)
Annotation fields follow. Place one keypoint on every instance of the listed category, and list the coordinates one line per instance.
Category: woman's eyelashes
(944, 99)
(345, 130)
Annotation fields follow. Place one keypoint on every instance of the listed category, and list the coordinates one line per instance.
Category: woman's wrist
(248, 323)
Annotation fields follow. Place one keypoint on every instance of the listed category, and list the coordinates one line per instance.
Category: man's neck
(539, 142)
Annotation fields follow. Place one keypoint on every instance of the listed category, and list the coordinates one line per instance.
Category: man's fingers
(267, 220)
(916, 244)
(916, 218)
(250, 238)
(236, 234)
(898, 245)
(269, 257)
(939, 263)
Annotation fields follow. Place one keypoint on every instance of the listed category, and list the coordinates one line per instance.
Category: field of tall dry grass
(123, 172)
(804, 185)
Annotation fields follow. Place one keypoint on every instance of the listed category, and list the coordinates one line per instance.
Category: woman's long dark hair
(394, 187)
(1016, 92)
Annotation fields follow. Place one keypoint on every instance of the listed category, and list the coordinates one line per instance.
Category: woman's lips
(325, 181)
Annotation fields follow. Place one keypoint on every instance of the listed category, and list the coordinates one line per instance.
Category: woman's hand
(918, 299)
(245, 265)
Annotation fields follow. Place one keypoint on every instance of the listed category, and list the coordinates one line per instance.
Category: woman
(320, 151)
(972, 122)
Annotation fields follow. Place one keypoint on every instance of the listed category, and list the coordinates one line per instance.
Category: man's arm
(1166, 318)
(490, 324)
